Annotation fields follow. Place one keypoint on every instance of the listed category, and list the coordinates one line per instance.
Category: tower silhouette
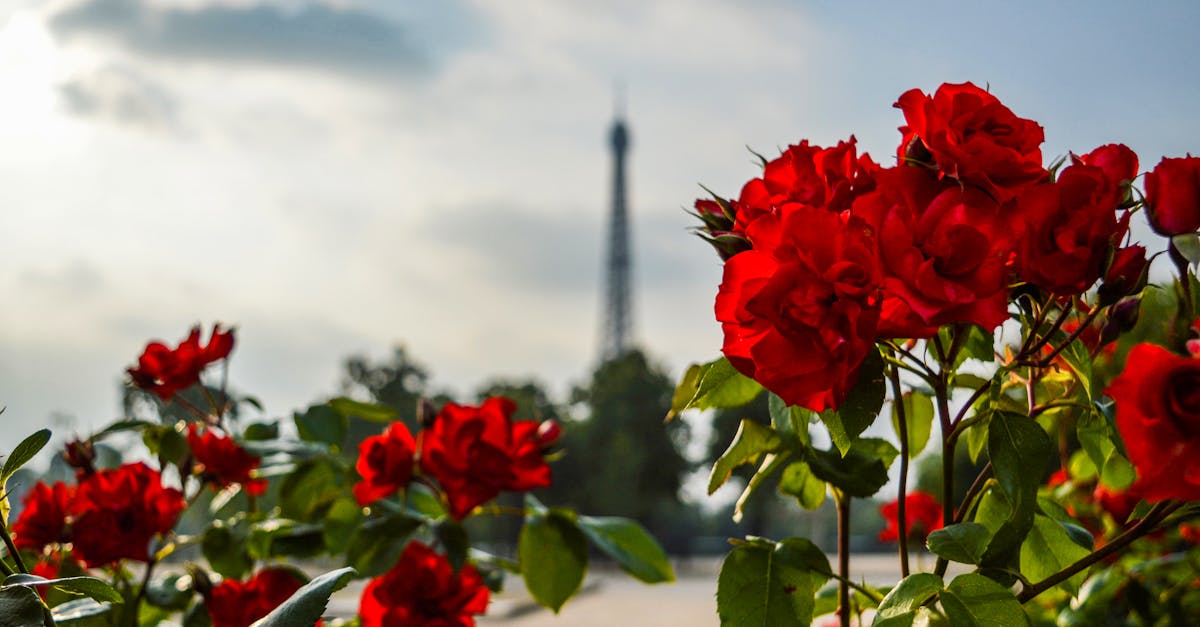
(614, 335)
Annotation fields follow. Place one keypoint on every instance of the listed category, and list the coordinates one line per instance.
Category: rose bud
(1126, 275)
(426, 412)
(1121, 318)
(1173, 196)
(548, 433)
(80, 455)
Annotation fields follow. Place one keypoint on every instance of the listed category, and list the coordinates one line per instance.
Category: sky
(337, 177)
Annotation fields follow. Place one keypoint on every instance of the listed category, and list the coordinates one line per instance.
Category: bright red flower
(237, 604)
(1173, 196)
(923, 512)
(222, 462)
(165, 371)
(1069, 229)
(422, 590)
(477, 452)
(1190, 532)
(943, 251)
(1158, 415)
(116, 513)
(1059, 477)
(1118, 161)
(385, 463)
(799, 314)
(972, 138)
(43, 521)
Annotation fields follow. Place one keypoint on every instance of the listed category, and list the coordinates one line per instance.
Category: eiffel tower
(615, 333)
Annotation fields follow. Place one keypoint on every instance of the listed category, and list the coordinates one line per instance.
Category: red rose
(385, 463)
(1173, 196)
(117, 512)
(806, 175)
(973, 138)
(1117, 161)
(923, 512)
(1059, 477)
(166, 371)
(1158, 415)
(799, 313)
(477, 452)
(422, 590)
(1126, 274)
(717, 216)
(1190, 532)
(1118, 503)
(943, 250)
(1069, 230)
(236, 604)
(43, 521)
(222, 462)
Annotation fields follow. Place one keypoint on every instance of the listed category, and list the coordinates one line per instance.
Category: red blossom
(422, 590)
(1173, 196)
(1158, 416)
(923, 512)
(475, 453)
(1118, 503)
(385, 463)
(238, 604)
(166, 371)
(43, 521)
(220, 461)
(116, 513)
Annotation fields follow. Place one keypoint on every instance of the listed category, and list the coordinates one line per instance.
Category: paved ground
(611, 598)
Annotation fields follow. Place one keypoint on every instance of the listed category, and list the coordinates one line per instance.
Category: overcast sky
(337, 177)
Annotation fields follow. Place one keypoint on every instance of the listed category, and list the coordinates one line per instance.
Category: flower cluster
(111, 515)
(166, 371)
(473, 453)
(827, 252)
(422, 590)
(219, 461)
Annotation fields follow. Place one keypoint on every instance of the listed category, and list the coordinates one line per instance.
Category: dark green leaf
(972, 600)
(962, 542)
(624, 540)
(1019, 450)
(261, 431)
(454, 541)
(377, 544)
(172, 592)
(23, 452)
(224, 547)
(553, 553)
(1048, 549)
(19, 607)
(341, 521)
(89, 586)
(718, 386)
(310, 490)
(320, 423)
(686, 390)
(120, 426)
(750, 443)
(770, 464)
(911, 593)
(759, 588)
(367, 411)
(861, 473)
(791, 423)
(308, 603)
(918, 417)
(861, 406)
(801, 552)
(798, 481)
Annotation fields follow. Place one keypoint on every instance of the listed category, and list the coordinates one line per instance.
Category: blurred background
(394, 199)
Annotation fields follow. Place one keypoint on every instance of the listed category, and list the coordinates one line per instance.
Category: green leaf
(553, 554)
(719, 385)
(802, 552)
(308, 603)
(344, 517)
(977, 435)
(171, 592)
(791, 423)
(759, 587)
(627, 542)
(994, 507)
(686, 390)
(348, 407)
(1019, 450)
(374, 548)
(770, 464)
(25, 451)
(310, 490)
(261, 431)
(911, 593)
(962, 542)
(19, 607)
(798, 481)
(861, 472)
(78, 609)
(1048, 549)
(861, 406)
(88, 586)
(320, 423)
(918, 417)
(454, 540)
(972, 600)
(749, 444)
(224, 547)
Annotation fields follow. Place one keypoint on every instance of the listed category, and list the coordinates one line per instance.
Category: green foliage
(962, 542)
(19, 606)
(901, 605)
(918, 418)
(972, 600)
(762, 584)
(375, 546)
(322, 423)
(713, 385)
(1048, 549)
(553, 553)
(861, 472)
(861, 406)
(752, 441)
(308, 603)
(1019, 450)
(89, 586)
(799, 481)
(638, 553)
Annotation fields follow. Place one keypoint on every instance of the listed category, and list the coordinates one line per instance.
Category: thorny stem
(980, 391)
(1155, 516)
(949, 438)
(843, 528)
(901, 505)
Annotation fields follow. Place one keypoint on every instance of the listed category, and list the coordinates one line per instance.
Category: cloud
(341, 40)
(122, 95)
